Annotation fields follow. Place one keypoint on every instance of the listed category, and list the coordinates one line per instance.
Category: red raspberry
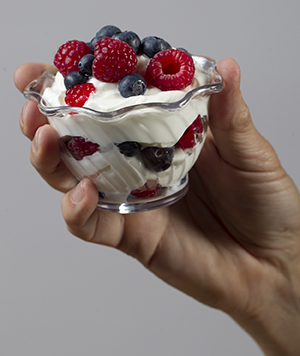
(172, 69)
(79, 94)
(68, 56)
(80, 147)
(192, 134)
(113, 60)
(148, 190)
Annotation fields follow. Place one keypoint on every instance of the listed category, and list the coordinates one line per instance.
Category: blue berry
(157, 158)
(130, 38)
(85, 64)
(108, 31)
(151, 45)
(74, 78)
(131, 85)
(129, 148)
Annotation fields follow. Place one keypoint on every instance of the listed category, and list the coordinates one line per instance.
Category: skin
(232, 243)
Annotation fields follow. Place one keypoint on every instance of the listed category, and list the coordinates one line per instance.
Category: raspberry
(192, 134)
(79, 94)
(80, 147)
(148, 190)
(113, 60)
(68, 56)
(172, 69)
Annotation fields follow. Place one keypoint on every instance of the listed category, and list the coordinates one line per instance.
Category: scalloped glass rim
(35, 90)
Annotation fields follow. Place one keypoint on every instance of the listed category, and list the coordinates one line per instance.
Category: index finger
(27, 72)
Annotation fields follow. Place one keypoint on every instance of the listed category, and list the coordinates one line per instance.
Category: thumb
(235, 136)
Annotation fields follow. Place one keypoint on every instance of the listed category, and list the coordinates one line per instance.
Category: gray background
(60, 296)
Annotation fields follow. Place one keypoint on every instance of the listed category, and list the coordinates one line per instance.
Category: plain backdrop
(60, 296)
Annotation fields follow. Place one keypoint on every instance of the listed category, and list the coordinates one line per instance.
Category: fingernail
(78, 193)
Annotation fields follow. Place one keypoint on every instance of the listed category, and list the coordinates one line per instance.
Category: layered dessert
(130, 114)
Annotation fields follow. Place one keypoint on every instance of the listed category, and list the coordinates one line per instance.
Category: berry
(130, 38)
(79, 94)
(157, 158)
(192, 134)
(131, 85)
(80, 147)
(151, 45)
(172, 69)
(129, 148)
(113, 60)
(85, 64)
(74, 78)
(148, 190)
(108, 31)
(68, 56)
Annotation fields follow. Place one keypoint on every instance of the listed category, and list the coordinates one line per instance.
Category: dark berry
(184, 50)
(130, 38)
(85, 64)
(151, 45)
(131, 85)
(80, 147)
(129, 148)
(108, 31)
(74, 78)
(157, 158)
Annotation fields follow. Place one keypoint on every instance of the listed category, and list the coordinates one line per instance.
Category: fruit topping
(158, 158)
(74, 78)
(192, 134)
(68, 56)
(130, 38)
(79, 94)
(148, 190)
(108, 31)
(129, 148)
(172, 69)
(85, 64)
(151, 45)
(113, 60)
(131, 85)
(80, 147)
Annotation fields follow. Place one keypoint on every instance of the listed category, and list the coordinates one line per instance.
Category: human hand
(231, 243)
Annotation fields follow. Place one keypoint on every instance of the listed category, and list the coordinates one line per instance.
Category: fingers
(27, 72)
(87, 222)
(45, 156)
(31, 119)
(235, 136)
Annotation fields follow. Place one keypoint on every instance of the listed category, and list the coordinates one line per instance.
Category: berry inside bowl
(138, 153)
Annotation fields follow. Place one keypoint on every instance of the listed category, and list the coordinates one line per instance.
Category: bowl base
(140, 206)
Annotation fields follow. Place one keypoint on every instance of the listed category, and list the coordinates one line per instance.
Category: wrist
(276, 327)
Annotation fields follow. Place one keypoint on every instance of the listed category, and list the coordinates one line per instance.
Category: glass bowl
(138, 156)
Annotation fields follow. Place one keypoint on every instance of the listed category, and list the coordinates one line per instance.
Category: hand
(232, 243)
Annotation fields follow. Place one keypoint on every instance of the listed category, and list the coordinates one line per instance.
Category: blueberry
(131, 85)
(151, 45)
(157, 158)
(129, 148)
(85, 64)
(74, 78)
(184, 50)
(108, 31)
(130, 38)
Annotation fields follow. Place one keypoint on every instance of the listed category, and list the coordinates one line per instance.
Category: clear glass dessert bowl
(138, 156)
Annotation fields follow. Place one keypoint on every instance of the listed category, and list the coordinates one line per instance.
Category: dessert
(130, 114)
